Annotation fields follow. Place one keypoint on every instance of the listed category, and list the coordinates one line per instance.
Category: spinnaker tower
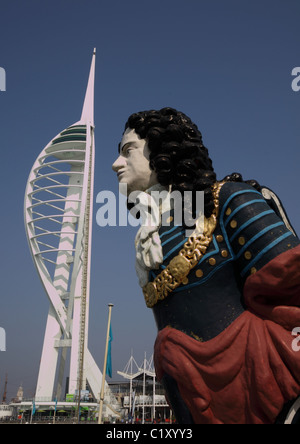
(58, 220)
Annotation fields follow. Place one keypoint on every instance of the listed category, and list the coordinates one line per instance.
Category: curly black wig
(177, 153)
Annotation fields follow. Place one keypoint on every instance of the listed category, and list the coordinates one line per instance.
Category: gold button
(199, 273)
(242, 240)
(228, 211)
(248, 255)
(185, 281)
(219, 238)
(224, 253)
(212, 261)
(233, 224)
(253, 270)
(169, 220)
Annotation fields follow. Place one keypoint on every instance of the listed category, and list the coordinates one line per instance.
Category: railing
(147, 401)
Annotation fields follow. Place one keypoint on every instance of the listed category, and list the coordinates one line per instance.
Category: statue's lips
(119, 173)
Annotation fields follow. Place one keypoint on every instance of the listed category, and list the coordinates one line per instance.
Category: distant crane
(5, 391)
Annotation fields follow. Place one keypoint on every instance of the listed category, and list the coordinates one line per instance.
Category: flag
(33, 407)
(55, 404)
(109, 363)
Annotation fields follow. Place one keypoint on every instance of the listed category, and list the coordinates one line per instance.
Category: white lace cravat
(151, 204)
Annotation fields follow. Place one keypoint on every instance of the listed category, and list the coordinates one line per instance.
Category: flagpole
(55, 410)
(110, 306)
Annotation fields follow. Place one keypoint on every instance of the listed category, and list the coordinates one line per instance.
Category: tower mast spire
(87, 115)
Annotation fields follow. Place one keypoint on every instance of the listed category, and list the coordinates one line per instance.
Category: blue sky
(225, 63)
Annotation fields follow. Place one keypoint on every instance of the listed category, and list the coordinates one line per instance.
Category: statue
(225, 299)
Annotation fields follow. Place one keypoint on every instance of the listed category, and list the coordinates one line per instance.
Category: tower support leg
(48, 364)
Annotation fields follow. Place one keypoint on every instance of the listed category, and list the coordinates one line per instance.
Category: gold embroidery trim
(180, 266)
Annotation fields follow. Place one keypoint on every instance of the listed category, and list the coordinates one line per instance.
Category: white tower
(20, 394)
(58, 221)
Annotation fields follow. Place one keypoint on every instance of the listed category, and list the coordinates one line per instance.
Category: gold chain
(180, 266)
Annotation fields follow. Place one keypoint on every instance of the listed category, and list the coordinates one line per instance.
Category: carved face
(132, 165)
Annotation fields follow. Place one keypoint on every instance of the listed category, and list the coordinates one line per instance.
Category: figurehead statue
(226, 298)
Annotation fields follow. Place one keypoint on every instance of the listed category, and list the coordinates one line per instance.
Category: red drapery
(248, 372)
